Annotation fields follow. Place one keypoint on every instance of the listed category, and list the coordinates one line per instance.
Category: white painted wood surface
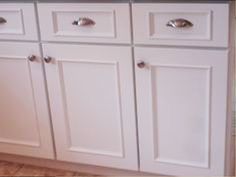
(92, 103)
(112, 22)
(24, 118)
(182, 98)
(20, 21)
(210, 24)
(181, 93)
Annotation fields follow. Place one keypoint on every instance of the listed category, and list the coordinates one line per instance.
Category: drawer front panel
(160, 30)
(18, 22)
(85, 22)
(181, 24)
(103, 27)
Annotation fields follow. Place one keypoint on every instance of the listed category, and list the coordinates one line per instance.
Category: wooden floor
(16, 169)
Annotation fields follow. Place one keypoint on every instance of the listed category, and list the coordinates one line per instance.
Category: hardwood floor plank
(17, 169)
(28, 170)
(9, 168)
(56, 172)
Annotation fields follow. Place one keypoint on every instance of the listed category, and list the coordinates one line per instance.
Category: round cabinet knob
(32, 58)
(141, 64)
(3, 20)
(47, 59)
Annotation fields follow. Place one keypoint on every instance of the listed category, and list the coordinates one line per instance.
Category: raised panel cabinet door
(181, 102)
(24, 116)
(92, 104)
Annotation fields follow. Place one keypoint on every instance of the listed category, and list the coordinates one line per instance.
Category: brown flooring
(16, 169)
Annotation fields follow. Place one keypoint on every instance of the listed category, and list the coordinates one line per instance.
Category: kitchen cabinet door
(182, 108)
(24, 117)
(92, 102)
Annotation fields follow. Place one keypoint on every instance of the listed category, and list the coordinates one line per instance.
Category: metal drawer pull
(179, 23)
(2, 20)
(84, 21)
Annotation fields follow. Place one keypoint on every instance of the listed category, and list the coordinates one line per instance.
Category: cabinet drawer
(181, 24)
(18, 21)
(81, 22)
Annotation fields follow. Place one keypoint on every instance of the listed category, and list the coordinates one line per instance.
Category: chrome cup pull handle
(179, 23)
(83, 21)
(2, 20)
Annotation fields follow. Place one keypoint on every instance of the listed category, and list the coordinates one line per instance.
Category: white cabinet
(85, 22)
(24, 117)
(92, 103)
(182, 108)
(179, 24)
(182, 124)
(18, 21)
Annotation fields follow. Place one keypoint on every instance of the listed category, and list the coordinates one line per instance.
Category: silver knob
(141, 64)
(32, 58)
(179, 23)
(2, 20)
(47, 59)
(83, 21)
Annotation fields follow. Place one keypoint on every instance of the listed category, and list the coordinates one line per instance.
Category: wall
(234, 121)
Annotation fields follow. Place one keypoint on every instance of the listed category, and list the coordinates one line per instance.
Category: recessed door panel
(92, 107)
(180, 98)
(17, 103)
